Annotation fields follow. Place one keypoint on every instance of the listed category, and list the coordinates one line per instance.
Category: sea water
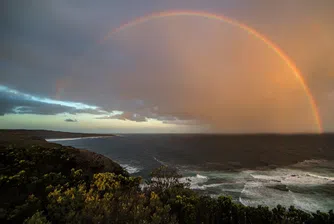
(253, 170)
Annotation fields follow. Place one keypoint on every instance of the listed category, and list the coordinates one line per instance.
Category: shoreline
(76, 138)
(48, 134)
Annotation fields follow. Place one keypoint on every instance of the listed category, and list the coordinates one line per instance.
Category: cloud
(16, 102)
(126, 116)
(70, 120)
(180, 70)
(181, 122)
(331, 96)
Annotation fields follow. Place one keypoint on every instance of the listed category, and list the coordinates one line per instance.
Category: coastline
(71, 139)
(24, 136)
(258, 187)
(88, 160)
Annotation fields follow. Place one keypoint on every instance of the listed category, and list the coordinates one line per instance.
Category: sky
(174, 74)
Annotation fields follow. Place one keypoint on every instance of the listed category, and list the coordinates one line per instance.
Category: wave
(320, 177)
(72, 139)
(198, 183)
(308, 189)
(159, 161)
(311, 162)
(204, 187)
(201, 176)
(255, 193)
(266, 177)
(291, 177)
(287, 187)
(131, 169)
(194, 181)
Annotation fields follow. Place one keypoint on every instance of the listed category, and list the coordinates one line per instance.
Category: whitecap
(159, 161)
(204, 187)
(310, 162)
(261, 189)
(195, 181)
(320, 177)
(201, 176)
(266, 177)
(290, 177)
(130, 168)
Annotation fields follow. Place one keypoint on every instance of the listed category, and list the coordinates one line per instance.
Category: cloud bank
(16, 102)
(125, 116)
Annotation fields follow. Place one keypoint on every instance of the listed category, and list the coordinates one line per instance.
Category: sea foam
(131, 169)
(159, 161)
(287, 187)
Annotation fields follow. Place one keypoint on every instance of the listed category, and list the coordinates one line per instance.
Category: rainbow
(242, 26)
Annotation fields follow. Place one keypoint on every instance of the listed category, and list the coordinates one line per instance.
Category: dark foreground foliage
(39, 185)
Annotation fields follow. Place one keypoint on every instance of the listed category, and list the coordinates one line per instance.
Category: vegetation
(48, 185)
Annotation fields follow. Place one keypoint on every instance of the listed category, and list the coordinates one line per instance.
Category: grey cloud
(10, 104)
(126, 116)
(182, 122)
(42, 41)
(14, 102)
(70, 120)
(141, 117)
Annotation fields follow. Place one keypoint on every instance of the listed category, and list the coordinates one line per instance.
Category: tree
(165, 177)
(37, 218)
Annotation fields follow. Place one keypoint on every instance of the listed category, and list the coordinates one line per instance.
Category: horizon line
(176, 133)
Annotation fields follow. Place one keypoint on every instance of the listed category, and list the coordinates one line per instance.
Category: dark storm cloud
(12, 104)
(42, 40)
(15, 102)
(70, 120)
(43, 43)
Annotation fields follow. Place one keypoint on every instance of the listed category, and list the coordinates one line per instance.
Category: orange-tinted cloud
(213, 72)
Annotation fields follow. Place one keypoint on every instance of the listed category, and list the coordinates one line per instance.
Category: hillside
(89, 162)
(46, 134)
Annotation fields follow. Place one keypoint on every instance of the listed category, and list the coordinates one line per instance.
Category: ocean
(254, 169)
